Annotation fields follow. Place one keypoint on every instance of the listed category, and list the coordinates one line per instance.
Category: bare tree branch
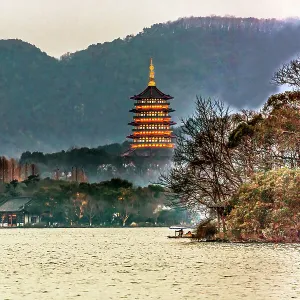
(288, 74)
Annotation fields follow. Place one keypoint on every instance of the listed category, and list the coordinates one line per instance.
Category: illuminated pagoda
(151, 121)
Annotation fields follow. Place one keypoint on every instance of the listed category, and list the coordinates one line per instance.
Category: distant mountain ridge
(83, 99)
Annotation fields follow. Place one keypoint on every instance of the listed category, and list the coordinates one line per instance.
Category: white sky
(60, 26)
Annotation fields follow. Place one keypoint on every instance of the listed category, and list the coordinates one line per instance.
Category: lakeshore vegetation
(244, 168)
(111, 203)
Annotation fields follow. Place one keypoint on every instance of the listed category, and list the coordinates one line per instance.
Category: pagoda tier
(151, 121)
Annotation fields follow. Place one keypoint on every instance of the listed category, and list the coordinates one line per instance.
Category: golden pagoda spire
(151, 74)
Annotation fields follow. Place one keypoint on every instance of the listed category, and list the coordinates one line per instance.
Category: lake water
(141, 264)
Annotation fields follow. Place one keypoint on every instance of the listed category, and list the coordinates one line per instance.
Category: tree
(243, 144)
(204, 172)
(268, 207)
(289, 74)
(91, 209)
(282, 128)
(270, 138)
(125, 204)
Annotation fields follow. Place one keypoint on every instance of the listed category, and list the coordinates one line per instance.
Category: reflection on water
(141, 264)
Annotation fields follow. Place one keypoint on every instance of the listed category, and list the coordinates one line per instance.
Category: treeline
(98, 164)
(110, 203)
(226, 23)
(83, 98)
(77, 156)
(244, 167)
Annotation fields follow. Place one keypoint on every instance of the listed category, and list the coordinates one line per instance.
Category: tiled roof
(151, 92)
(14, 204)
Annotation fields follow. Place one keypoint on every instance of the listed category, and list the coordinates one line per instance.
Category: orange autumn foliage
(268, 208)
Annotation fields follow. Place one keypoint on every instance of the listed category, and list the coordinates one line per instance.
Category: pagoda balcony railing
(150, 119)
(151, 102)
(140, 116)
(152, 106)
(152, 145)
(150, 135)
(151, 129)
(152, 110)
(153, 123)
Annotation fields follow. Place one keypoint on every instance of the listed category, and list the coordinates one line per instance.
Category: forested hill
(83, 98)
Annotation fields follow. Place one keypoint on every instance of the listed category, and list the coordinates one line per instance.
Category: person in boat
(180, 232)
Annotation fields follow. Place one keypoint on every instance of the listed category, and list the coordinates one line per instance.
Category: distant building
(75, 175)
(151, 121)
(13, 213)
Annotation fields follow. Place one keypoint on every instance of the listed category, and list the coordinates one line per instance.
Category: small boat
(179, 237)
(179, 234)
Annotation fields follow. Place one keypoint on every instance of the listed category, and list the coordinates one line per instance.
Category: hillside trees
(85, 93)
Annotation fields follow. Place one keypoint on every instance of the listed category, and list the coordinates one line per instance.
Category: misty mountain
(82, 99)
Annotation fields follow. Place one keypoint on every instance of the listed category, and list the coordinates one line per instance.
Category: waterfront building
(151, 121)
(14, 213)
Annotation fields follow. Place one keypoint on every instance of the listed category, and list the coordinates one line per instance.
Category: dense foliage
(268, 207)
(109, 203)
(82, 99)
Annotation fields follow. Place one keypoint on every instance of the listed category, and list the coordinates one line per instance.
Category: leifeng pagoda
(151, 121)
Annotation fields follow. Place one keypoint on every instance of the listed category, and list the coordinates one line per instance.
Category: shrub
(268, 208)
(206, 230)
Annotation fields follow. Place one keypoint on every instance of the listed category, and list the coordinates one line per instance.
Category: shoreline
(191, 239)
(79, 227)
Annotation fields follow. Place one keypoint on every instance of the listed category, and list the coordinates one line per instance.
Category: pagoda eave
(152, 118)
(151, 92)
(151, 110)
(150, 135)
(144, 98)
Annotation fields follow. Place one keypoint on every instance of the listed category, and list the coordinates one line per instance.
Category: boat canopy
(178, 227)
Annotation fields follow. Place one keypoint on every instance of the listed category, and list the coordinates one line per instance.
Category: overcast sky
(60, 26)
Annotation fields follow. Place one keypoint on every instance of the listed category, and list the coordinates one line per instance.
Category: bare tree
(91, 209)
(204, 172)
(125, 204)
(288, 74)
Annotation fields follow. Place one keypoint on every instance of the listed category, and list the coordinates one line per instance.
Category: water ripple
(141, 264)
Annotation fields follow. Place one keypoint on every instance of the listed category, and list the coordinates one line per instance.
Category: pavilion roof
(15, 204)
(151, 92)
